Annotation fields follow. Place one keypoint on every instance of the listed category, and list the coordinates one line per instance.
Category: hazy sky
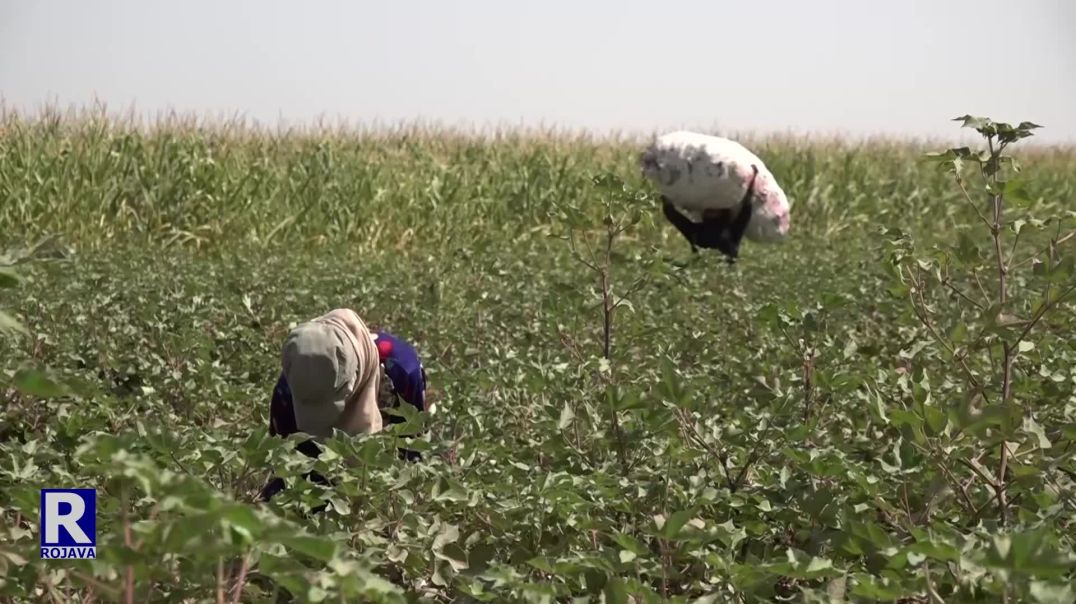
(845, 66)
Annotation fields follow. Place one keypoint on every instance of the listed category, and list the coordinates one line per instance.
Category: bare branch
(956, 290)
(1053, 243)
(689, 429)
(979, 471)
(1012, 251)
(577, 254)
(979, 283)
(631, 291)
(919, 308)
(241, 579)
(967, 196)
(1041, 312)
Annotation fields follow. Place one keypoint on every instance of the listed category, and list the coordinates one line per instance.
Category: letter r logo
(68, 517)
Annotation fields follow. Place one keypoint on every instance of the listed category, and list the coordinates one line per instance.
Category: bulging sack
(698, 172)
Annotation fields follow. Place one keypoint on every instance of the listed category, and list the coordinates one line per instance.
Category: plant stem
(607, 315)
(808, 382)
(1008, 349)
(608, 308)
(220, 580)
(240, 581)
(1003, 500)
(128, 583)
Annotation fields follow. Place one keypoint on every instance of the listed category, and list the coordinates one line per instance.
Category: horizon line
(340, 124)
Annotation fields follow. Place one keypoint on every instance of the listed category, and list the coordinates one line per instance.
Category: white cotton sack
(698, 172)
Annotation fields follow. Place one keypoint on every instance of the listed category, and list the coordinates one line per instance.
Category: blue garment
(404, 368)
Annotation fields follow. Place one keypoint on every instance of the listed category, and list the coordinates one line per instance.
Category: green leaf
(1052, 593)
(879, 588)
(8, 277)
(817, 565)
(319, 548)
(730, 535)
(449, 533)
(543, 564)
(879, 408)
(675, 522)
(1029, 553)
(1035, 428)
(1009, 133)
(967, 249)
(395, 553)
(943, 552)
(784, 476)
(629, 543)
(34, 382)
(1062, 270)
(936, 419)
(970, 121)
(768, 315)
(9, 324)
(454, 555)
(1015, 192)
(449, 489)
(616, 592)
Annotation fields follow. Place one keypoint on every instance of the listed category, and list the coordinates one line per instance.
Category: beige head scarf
(332, 367)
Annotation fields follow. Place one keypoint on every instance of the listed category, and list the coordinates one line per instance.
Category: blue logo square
(68, 523)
